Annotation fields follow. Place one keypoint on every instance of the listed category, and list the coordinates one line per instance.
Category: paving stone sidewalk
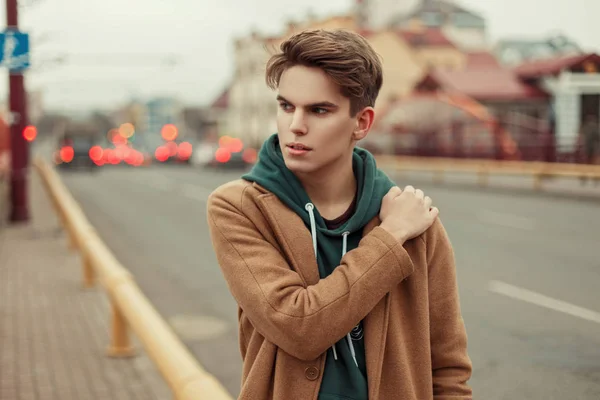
(53, 332)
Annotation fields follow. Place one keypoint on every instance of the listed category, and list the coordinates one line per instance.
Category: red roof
(483, 84)
(428, 37)
(480, 59)
(553, 66)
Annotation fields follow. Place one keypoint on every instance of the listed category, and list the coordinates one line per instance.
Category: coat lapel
(376, 326)
(293, 236)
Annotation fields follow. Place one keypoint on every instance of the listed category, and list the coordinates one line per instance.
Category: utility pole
(18, 121)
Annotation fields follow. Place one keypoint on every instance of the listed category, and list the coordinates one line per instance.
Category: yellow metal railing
(484, 168)
(130, 307)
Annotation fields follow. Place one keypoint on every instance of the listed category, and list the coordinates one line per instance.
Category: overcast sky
(199, 34)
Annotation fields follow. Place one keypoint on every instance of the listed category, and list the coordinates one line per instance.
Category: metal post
(89, 275)
(19, 146)
(120, 346)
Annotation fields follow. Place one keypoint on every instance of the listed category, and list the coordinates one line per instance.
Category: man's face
(315, 129)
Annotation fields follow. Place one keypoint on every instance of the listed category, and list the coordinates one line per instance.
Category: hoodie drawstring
(348, 337)
(313, 230)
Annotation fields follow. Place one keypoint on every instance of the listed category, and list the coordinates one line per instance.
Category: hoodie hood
(372, 184)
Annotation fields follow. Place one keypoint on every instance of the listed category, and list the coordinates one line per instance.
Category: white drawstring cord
(313, 230)
(348, 337)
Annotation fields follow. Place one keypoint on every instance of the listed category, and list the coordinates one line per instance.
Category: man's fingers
(419, 194)
(410, 189)
(394, 192)
(427, 201)
(434, 212)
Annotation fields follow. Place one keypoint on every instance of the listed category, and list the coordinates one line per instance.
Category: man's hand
(406, 213)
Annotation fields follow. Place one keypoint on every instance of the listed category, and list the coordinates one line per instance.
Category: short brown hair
(346, 57)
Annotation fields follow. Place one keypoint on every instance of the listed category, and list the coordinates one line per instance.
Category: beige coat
(415, 339)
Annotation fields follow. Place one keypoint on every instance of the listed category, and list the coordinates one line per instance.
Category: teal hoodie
(345, 375)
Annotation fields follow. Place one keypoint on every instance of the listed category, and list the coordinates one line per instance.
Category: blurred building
(536, 109)
(216, 119)
(574, 84)
(465, 28)
(247, 117)
(380, 14)
(512, 52)
(149, 118)
(521, 107)
(251, 107)
(407, 54)
(486, 81)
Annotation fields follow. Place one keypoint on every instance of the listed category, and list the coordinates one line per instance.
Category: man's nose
(298, 123)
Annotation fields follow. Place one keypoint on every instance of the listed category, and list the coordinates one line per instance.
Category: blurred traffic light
(30, 133)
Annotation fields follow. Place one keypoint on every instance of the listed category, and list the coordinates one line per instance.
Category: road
(528, 269)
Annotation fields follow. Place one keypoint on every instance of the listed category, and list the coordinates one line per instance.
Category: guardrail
(130, 308)
(484, 168)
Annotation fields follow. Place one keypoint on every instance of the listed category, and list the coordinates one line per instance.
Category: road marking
(195, 192)
(506, 220)
(543, 301)
(198, 327)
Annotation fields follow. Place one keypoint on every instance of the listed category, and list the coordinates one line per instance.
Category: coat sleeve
(302, 320)
(450, 362)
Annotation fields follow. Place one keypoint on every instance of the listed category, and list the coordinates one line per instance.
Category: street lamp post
(19, 211)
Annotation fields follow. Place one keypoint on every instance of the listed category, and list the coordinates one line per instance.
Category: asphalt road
(528, 270)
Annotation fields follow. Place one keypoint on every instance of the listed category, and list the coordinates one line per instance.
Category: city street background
(155, 221)
(144, 107)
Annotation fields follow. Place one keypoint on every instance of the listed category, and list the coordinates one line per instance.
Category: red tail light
(66, 154)
(96, 153)
(161, 154)
(222, 155)
(184, 150)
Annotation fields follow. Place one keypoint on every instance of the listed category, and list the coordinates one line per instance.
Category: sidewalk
(53, 332)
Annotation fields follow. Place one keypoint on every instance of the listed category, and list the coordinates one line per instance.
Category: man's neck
(333, 191)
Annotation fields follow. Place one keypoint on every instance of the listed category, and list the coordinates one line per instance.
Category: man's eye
(285, 106)
(320, 110)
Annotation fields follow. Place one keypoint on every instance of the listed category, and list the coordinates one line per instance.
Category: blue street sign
(14, 50)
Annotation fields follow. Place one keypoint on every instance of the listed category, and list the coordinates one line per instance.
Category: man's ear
(364, 122)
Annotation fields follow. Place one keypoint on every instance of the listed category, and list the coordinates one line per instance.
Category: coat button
(311, 373)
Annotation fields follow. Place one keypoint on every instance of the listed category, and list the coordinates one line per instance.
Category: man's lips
(298, 146)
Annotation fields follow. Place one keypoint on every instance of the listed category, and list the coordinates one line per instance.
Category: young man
(346, 284)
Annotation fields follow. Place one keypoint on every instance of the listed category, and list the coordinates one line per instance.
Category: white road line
(195, 192)
(506, 220)
(543, 301)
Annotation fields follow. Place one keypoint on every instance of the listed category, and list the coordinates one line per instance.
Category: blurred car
(77, 152)
(124, 154)
(227, 154)
(172, 151)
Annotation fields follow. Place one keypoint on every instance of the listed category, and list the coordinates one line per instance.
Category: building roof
(444, 7)
(553, 66)
(482, 84)
(482, 59)
(425, 38)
